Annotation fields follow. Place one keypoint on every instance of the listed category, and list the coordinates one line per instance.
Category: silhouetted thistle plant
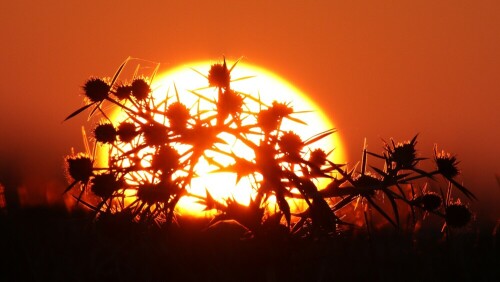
(126, 132)
(105, 133)
(154, 152)
(457, 215)
(79, 167)
(429, 201)
(96, 89)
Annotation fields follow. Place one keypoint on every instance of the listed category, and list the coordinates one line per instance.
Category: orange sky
(381, 69)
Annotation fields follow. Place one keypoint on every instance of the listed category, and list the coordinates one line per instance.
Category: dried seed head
(219, 75)
(446, 164)
(318, 157)
(104, 185)
(267, 120)
(281, 110)
(368, 183)
(155, 134)
(291, 144)
(178, 116)
(430, 201)
(140, 89)
(457, 215)
(403, 154)
(105, 133)
(229, 103)
(166, 160)
(126, 131)
(96, 89)
(79, 167)
(123, 92)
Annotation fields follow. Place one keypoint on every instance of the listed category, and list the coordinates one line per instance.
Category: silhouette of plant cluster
(154, 152)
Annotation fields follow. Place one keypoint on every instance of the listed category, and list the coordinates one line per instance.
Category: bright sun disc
(259, 83)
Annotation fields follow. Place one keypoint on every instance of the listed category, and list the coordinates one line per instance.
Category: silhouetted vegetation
(52, 244)
(155, 150)
(387, 222)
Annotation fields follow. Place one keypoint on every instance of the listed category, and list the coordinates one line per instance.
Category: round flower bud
(105, 133)
(96, 89)
(79, 167)
(457, 215)
(140, 89)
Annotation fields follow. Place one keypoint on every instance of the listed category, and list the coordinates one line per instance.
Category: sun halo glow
(259, 83)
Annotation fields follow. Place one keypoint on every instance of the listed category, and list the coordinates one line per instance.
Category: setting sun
(250, 140)
(188, 85)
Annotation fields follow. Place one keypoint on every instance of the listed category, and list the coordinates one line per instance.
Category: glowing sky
(381, 69)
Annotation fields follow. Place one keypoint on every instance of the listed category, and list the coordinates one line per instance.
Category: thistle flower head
(123, 91)
(446, 164)
(105, 133)
(429, 201)
(79, 167)
(270, 118)
(104, 185)
(96, 89)
(178, 116)
(229, 103)
(155, 134)
(166, 160)
(140, 89)
(403, 155)
(126, 131)
(318, 157)
(219, 75)
(290, 144)
(281, 110)
(267, 120)
(457, 215)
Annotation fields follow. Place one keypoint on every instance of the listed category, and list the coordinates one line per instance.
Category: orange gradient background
(379, 69)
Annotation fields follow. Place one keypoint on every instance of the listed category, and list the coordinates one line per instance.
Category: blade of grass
(79, 111)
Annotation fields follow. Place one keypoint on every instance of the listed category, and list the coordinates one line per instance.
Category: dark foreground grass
(50, 244)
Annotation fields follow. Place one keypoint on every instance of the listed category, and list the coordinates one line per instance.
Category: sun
(188, 84)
